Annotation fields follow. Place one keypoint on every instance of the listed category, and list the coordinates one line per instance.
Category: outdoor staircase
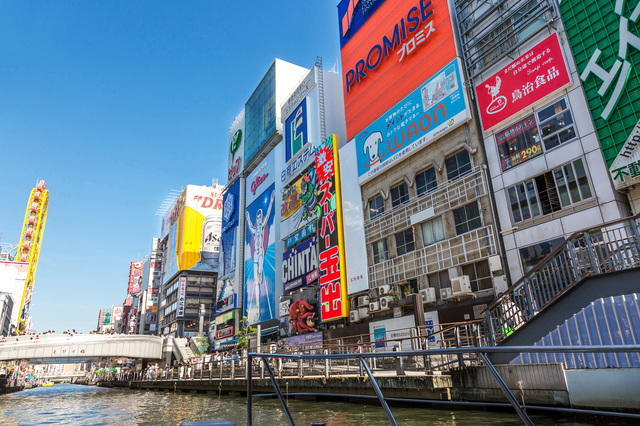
(182, 349)
(591, 264)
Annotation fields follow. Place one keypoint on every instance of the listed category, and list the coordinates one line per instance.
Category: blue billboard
(436, 107)
(296, 130)
(260, 259)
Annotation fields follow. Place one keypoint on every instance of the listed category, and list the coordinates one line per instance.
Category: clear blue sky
(115, 103)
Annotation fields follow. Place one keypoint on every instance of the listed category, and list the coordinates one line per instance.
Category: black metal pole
(392, 420)
(249, 390)
(278, 392)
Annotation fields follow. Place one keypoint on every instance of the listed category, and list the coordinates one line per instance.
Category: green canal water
(83, 405)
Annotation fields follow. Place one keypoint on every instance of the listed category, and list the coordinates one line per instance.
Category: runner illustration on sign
(259, 241)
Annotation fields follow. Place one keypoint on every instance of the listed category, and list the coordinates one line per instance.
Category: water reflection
(83, 405)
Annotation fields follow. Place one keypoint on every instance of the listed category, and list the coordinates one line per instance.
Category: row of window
(530, 137)
(549, 192)
(466, 218)
(456, 165)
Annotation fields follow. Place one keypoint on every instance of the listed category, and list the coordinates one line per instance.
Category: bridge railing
(613, 246)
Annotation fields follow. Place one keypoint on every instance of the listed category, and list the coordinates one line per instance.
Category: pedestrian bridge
(66, 348)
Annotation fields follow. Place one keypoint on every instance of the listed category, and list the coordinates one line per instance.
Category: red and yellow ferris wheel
(29, 246)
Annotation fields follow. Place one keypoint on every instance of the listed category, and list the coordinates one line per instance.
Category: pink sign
(537, 73)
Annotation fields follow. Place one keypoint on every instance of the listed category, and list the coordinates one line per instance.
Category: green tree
(245, 331)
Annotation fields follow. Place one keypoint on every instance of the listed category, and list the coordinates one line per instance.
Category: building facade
(547, 168)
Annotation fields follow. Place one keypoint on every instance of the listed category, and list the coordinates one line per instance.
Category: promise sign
(333, 292)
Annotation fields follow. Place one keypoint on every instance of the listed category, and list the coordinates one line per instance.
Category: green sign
(604, 36)
(235, 143)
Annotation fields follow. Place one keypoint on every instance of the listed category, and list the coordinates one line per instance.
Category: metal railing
(611, 247)
(260, 362)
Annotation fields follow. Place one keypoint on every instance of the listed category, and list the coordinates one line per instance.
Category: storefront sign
(299, 265)
(625, 170)
(333, 293)
(309, 229)
(236, 147)
(517, 143)
(305, 341)
(534, 75)
(436, 107)
(135, 277)
(225, 332)
(182, 291)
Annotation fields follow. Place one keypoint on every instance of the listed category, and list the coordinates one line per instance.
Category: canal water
(83, 405)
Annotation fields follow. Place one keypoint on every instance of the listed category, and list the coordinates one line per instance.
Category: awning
(269, 331)
(229, 342)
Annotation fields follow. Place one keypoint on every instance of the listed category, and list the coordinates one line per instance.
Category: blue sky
(115, 103)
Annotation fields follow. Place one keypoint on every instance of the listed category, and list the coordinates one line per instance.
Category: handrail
(481, 352)
(614, 245)
(538, 266)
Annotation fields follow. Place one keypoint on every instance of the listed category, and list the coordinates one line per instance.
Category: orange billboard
(387, 51)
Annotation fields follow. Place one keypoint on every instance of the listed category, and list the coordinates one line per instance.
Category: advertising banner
(236, 147)
(261, 178)
(436, 107)
(605, 41)
(135, 277)
(333, 293)
(394, 328)
(259, 254)
(226, 295)
(184, 225)
(297, 132)
(299, 204)
(182, 292)
(535, 74)
(117, 313)
(305, 341)
(300, 265)
(432, 321)
(387, 48)
(224, 332)
(300, 235)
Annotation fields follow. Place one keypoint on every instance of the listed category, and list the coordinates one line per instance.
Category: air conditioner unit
(428, 295)
(495, 264)
(374, 306)
(500, 284)
(445, 293)
(384, 302)
(461, 285)
(354, 316)
(363, 300)
(363, 312)
(384, 289)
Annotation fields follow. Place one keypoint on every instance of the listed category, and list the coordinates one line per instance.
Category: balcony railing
(446, 197)
(469, 247)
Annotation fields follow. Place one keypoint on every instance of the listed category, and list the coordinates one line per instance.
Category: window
(556, 124)
(432, 231)
(549, 192)
(531, 255)
(404, 242)
(550, 126)
(467, 218)
(380, 251)
(479, 275)
(439, 280)
(426, 181)
(376, 207)
(399, 194)
(458, 164)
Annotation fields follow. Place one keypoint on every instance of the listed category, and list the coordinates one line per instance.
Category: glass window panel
(399, 194)
(458, 164)
(376, 207)
(572, 183)
(380, 251)
(467, 218)
(583, 181)
(426, 181)
(522, 196)
(404, 242)
(533, 199)
(561, 185)
(515, 206)
(432, 231)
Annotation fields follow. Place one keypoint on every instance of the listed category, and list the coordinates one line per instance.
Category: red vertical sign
(328, 241)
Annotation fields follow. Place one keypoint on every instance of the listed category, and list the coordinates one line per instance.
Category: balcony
(446, 197)
(469, 247)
